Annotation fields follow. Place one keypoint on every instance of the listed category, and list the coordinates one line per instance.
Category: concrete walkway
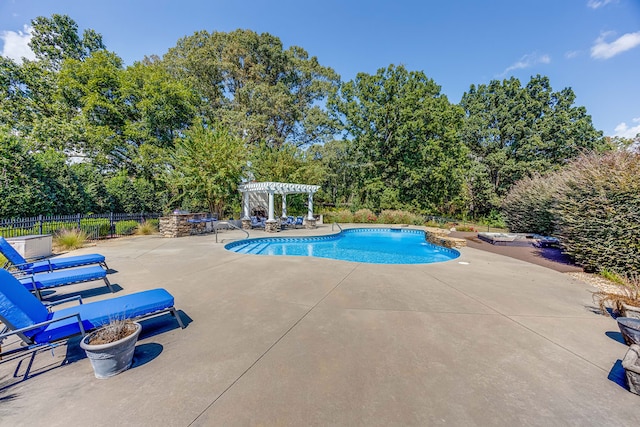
(481, 340)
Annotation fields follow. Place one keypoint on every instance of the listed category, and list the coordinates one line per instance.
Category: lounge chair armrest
(62, 301)
(21, 268)
(48, 322)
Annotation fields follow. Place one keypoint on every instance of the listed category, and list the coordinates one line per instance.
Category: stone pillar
(310, 223)
(272, 226)
(271, 217)
(246, 223)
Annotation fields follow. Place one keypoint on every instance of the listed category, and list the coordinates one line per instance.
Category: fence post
(78, 221)
(111, 224)
(40, 223)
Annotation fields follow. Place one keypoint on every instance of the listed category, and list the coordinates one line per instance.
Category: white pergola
(272, 188)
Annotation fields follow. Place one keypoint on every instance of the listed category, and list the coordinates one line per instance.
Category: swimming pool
(368, 245)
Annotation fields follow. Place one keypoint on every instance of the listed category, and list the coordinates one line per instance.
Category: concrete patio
(481, 340)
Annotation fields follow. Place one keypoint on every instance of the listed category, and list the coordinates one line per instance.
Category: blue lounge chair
(18, 262)
(299, 222)
(31, 321)
(37, 282)
(257, 222)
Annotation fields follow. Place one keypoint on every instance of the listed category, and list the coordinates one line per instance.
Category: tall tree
(514, 131)
(208, 163)
(56, 39)
(405, 140)
(250, 83)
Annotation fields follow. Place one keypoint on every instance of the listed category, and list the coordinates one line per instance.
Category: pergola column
(245, 205)
(310, 209)
(271, 216)
(284, 205)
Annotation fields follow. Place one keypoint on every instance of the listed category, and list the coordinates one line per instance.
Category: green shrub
(597, 211)
(69, 239)
(342, 215)
(528, 206)
(390, 216)
(365, 216)
(102, 224)
(3, 260)
(126, 227)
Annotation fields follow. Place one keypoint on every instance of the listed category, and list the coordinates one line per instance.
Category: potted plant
(110, 348)
(624, 301)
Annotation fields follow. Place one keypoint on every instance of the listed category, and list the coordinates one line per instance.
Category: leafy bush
(364, 215)
(69, 239)
(126, 227)
(102, 224)
(342, 215)
(389, 216)
(3, 260)
(466, 228)
(528, 206)
(597, 211)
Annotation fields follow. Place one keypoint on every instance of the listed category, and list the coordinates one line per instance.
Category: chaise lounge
(39, 281)
(16, 260)
(29, 319)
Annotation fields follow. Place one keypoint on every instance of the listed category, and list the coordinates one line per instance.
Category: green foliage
(365, 216)
(55, 39)
(124, 228)
(258, 90)
(404, 144)
(514, 131)
(391, 216)
(3, 260)
(208, 165)
(528, 208)
(340, 216)
(598, 211)
(69, 239)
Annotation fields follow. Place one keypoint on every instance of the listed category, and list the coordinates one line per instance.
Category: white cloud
(603, 50)
(572, 54)
(16, 44)
(527, 61)
(625, 131)
(595, 4)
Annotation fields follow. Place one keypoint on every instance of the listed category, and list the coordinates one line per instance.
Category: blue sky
(592, 46)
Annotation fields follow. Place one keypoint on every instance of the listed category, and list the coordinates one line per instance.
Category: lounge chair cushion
(98, 313)
(17, 306)
(55, 263)
(63, 277)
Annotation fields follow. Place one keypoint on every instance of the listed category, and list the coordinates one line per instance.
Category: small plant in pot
(110, 348)
(625, 300)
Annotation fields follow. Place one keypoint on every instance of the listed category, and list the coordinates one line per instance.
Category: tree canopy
(82, 131)
(513, 131)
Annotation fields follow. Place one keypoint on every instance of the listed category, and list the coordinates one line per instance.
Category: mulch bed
(552, 258)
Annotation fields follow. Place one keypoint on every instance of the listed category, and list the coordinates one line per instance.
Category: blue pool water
(368, 245)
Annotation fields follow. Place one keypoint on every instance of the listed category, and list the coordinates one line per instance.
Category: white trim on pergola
(272, 188)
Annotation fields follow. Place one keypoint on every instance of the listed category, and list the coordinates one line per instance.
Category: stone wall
(440, 237)
(178, 225)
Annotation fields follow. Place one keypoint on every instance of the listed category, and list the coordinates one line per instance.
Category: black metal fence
(96, 226)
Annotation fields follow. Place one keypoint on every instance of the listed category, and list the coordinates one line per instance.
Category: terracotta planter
(110, 359)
